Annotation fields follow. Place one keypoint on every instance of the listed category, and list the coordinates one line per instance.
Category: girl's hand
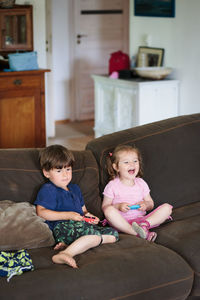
(124, 207)
(143, 206)
(146, 204)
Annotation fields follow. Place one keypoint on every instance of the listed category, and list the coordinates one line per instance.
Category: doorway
(101, 27)
(72, 59)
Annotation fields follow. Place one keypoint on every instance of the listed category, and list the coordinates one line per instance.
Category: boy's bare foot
(63, 258)
(60, 246)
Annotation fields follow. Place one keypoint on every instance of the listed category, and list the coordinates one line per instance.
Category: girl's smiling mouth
(131, 171)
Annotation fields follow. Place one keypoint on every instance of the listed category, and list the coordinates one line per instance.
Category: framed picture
(150, 57)
(154, 8)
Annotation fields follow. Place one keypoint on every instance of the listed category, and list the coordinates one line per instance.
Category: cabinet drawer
(13, 82)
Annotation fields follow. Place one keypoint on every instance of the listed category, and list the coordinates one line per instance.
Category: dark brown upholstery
(131, 268)
(21, 177)
(171, 155)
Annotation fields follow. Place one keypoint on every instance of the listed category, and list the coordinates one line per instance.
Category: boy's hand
(76, 216)
(95, 220)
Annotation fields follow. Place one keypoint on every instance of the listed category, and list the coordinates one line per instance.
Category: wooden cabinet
(16, 29)
(22, 109)
(122, 104)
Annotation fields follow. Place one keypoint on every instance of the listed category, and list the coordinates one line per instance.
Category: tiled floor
(73, 135)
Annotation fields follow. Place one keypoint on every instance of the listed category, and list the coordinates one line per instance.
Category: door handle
(81, 35)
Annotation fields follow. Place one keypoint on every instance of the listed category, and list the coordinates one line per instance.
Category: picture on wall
(154, 8)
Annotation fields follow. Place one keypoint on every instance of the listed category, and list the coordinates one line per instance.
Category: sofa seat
(171, 157)
(182, 236)
(130, 268)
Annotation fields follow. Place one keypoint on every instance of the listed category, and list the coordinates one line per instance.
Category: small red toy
(89, 219)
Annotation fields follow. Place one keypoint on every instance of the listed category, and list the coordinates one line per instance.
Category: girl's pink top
(120, 192)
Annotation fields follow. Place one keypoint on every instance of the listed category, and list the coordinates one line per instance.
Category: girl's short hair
(55, 156)
(114, 158)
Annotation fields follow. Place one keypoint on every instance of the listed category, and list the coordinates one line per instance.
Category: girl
(127, 188)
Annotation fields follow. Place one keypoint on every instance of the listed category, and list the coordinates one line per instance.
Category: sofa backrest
(21, 177)
(171, 157)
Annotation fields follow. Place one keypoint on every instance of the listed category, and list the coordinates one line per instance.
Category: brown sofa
(131, 268)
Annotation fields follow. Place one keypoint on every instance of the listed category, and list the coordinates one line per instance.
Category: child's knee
(168, 208)
(110, 239)
(96, 240)
(114, 238)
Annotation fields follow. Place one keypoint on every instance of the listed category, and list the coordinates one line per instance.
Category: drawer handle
(17, 82)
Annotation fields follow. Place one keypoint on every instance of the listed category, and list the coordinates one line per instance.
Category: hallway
(73, 135)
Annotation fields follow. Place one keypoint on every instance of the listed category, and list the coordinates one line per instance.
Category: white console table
(122, 104)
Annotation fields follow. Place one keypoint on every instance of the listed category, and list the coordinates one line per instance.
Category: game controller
(89, 219)
(136, 206)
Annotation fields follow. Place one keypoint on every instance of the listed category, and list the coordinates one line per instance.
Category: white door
(101, 27)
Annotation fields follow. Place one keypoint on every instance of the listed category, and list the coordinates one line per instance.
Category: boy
(61, 204)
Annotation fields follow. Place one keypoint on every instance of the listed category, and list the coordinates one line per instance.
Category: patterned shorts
(69, 231)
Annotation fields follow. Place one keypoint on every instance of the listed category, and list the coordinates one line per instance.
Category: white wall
(179, 37)
(61, 22)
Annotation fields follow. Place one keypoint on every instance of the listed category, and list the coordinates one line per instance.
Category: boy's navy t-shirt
(55, 198)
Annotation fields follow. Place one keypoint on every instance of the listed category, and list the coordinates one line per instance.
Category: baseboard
(66, 121)
(62, 121)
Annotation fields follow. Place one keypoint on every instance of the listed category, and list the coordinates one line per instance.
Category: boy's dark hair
(55, 156)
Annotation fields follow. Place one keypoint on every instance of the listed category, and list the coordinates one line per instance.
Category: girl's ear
(114, 165)
(46, 173)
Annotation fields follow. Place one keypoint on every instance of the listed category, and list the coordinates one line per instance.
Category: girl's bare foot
(63, 258)
(60, 246)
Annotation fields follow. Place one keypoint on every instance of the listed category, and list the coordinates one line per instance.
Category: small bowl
(153, 72)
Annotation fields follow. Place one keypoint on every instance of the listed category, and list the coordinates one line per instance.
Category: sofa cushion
(21, 228)
(129, 269)
(186, 211)
(171, 156)
(182, 236)
(21, 177)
